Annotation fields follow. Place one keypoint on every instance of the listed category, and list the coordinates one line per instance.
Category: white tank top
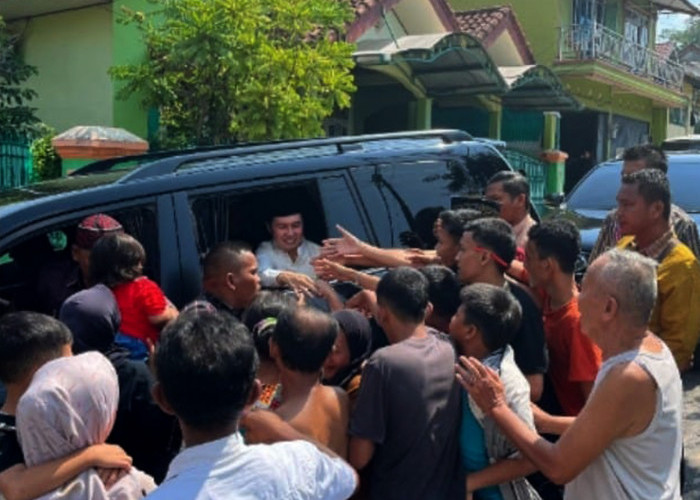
(645, 466)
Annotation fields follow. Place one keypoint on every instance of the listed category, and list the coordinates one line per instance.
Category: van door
(406, 196)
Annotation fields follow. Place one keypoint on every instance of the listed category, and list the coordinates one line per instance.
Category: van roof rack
(164, 162)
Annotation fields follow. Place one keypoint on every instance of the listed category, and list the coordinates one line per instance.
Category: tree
(686, 36)
(222, 71)
(16, 116)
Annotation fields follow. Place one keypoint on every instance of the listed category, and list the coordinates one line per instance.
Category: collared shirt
(682, 224)
(228, 468)
(272, 261)
(657, 249)
(675, 319)
(521, 229)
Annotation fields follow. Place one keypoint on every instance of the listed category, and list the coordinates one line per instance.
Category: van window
(33, 270)
(241, 213)
(405, 197)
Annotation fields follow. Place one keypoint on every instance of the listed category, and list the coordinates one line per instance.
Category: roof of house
(665, 49)
(369, 12)
(487, 24)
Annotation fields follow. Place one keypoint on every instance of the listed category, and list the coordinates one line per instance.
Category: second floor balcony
(594, 42)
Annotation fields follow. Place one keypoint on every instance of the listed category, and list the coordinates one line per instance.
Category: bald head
(304, 337)
(631, 279)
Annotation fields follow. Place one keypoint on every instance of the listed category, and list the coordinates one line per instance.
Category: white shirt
(229, 469)
(646, 465)
(272, 261)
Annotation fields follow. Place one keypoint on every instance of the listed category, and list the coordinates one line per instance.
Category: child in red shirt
(117, 261)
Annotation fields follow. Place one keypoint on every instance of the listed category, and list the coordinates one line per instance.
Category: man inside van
(286, 260)
(61, 279)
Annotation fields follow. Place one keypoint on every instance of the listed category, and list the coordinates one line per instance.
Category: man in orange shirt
(574, 360)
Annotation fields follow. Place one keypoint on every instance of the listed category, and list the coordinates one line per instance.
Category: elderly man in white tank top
(626, 442)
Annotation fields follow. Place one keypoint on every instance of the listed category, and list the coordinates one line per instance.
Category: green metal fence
(535, 170)
(15, 161)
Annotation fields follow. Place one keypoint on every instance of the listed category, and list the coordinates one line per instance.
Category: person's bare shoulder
(630, 390)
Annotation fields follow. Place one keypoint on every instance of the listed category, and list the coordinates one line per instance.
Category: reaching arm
(349, 244)
(550, 424)
(361, 452)
(622, 405)
(24, 483)
(501, 472)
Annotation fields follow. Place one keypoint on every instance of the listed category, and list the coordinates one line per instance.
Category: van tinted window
(241, 213)
(405, 198)
(33, 270)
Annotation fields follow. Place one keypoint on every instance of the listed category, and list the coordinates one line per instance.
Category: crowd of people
(480, 369)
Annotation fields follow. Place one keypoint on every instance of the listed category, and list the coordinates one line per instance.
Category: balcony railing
(595, 42)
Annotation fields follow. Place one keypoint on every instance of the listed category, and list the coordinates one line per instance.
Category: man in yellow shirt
(644, 207)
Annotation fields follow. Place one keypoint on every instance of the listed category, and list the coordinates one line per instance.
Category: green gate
(534, 169)
(15, 161)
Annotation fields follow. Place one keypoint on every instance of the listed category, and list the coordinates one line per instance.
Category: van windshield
(598, 190)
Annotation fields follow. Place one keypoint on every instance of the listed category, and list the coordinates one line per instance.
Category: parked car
(180, 204)
(594, 196)
(685, 143)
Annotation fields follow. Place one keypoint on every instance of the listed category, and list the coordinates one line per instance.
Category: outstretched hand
(364, 301)
(421, 258)
(482, 383)
(330, 270)
(347, 244)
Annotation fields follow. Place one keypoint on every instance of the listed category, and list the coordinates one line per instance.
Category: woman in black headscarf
(352, 347)
(150, 436)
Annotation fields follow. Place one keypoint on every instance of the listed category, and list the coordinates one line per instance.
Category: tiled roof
(665, 49)
(362, 6)
(480, 23)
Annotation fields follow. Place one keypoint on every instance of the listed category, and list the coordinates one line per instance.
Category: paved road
(691, 431)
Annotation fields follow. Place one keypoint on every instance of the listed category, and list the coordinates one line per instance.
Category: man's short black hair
(305, 337)
(224, 257)
(443, 290)
(453, 221)
(653, 156)
(27, 341)
(404, 291)
(557, 238)
(514, 183)
(267, 304)
(495, 235)
(495, 312)
(116, 258)
(653, 186)
(206, 364)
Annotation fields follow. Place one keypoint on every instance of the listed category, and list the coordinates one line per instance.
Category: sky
(671, 21)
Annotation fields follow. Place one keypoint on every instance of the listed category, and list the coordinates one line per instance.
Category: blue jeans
(136, 348)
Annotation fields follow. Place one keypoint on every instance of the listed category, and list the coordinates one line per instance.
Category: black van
(386, 189)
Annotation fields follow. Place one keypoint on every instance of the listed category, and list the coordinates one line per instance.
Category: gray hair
(631, 278)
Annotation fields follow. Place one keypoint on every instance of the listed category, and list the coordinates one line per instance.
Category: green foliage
(16, 117)
(222, 71)
(686, 36)
(47, 163)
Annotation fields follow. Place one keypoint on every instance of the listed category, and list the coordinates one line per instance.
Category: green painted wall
(540, 19)
(72, 52)
(128, 48)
